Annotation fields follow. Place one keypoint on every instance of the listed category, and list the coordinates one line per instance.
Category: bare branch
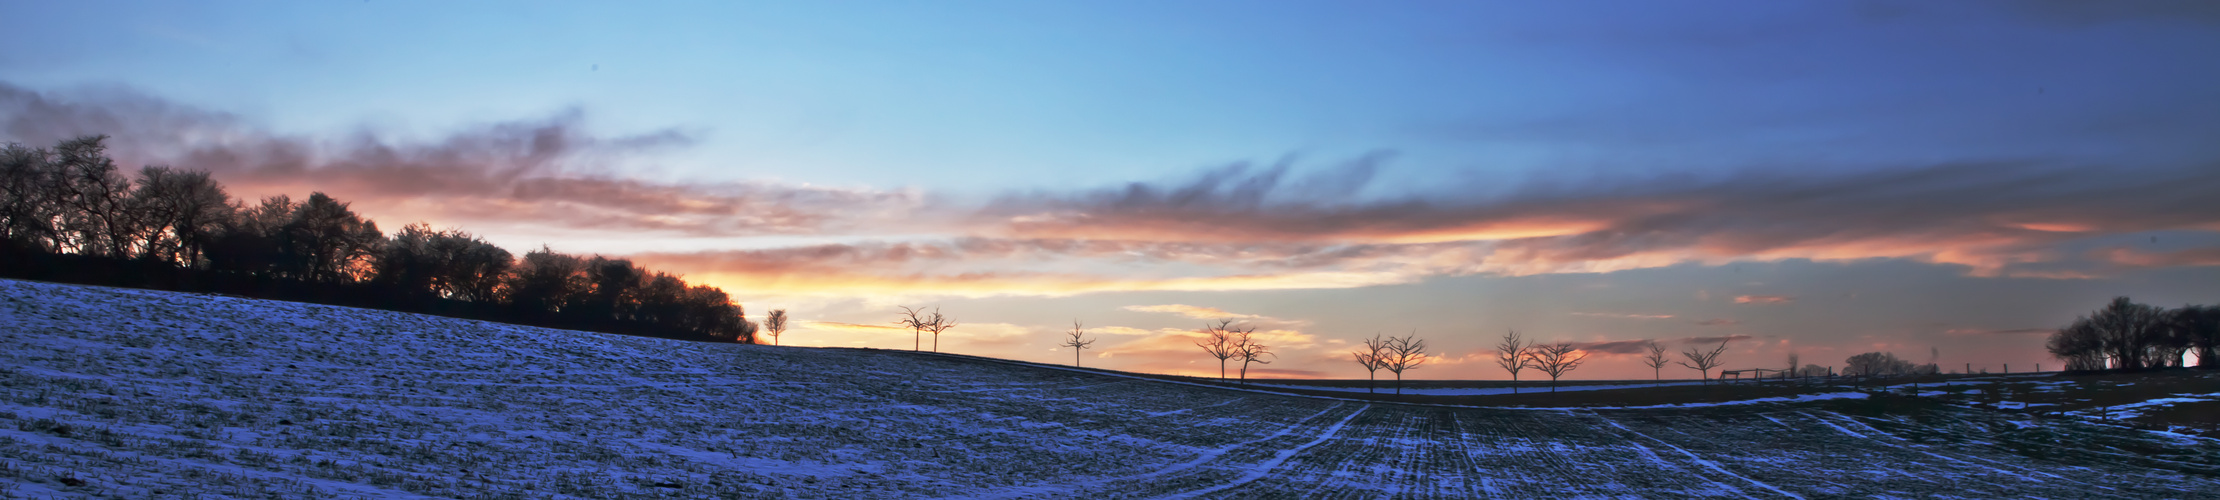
(1557, 360)
(1077, 341)
(1704, 361)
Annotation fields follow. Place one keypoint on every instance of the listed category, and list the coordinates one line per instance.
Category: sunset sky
(1823, 178)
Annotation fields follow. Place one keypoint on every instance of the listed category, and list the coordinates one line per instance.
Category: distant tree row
(2128, 335)
(69, 205)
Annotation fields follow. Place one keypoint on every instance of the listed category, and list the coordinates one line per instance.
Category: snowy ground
(137, 394)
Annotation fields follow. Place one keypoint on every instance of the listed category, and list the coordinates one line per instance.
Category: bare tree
(2079, 345)
(2201, 325)
(182, 211)
(1404, 353)
(1076, 343)
(1511, 355)
(776, 324)
(1655, 359)
(1704, 361)
(1219, 342)
(936, 324)
(1877, 364)
(1792, 364)
(916, 320)
(99, 216)
(2130, 331)
(1372, 358)
(1557, 360)
(1250, 350)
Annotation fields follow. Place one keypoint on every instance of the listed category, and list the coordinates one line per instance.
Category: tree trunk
(1244, 371)
(1221, 369)
(1398, 383)
(1373, 377)
(1075, 357)
(1514, 382)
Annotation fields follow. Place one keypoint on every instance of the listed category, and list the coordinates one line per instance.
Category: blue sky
(2013, 149)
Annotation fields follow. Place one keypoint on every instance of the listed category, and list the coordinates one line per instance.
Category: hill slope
(109, 392)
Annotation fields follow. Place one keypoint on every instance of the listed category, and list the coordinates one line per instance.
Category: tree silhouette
(1876, 364)
(328, 242)
(1512, 356)
(2200, 325)
(1220, 342)
(29, 198)
(1404, 353)
(1373, 358)
(1076, 342)
(2129, 331)
(1704, 361)
(2078, 344)
(776, 324)
(178, 229)
(1655, 359)
(1557, 360)
(1250, 350)
(98, 217)
(182, 212)
(936, 324)
(917, 320)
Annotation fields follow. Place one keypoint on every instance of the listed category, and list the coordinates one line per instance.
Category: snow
(143, 394)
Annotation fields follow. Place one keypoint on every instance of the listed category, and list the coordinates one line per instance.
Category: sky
(1946, 181)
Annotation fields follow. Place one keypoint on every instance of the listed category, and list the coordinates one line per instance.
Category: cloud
(1711, 340)
(1986, 331)
(2131, 258)
(1763, 299)
(1122, 330)
(1196, 312)
(1615, 347)
(848, 327)
(1625, 316)
(1993, 218)
(1244, 226)
(1719, 322)
(545, 171)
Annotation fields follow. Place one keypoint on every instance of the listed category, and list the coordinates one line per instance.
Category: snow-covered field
(136, 394)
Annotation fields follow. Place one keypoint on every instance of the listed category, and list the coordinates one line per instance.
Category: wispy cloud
(1239, 227)
(1714, 340)
(1615, 347)
(1719, 322)
(1624, 316)
(1196, 312)
(545, 171)
(1987, 331)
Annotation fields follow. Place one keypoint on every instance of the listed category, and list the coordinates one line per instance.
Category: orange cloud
(1196, 312)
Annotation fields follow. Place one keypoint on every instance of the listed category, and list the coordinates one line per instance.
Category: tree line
(2122, 335)
(67, 213)
(2128, 335)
